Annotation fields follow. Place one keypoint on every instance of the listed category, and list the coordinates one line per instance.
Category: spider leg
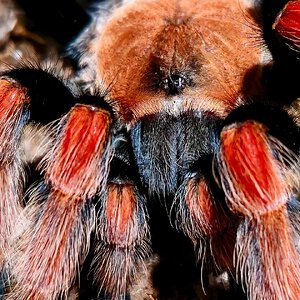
(204, 219)
(258, 166)
(123, 239)
(287, 25)
(53, 246)
(26, 96)
(280, 21)
(13, 115)
(198, 209)
(46, 241)
(280, 24)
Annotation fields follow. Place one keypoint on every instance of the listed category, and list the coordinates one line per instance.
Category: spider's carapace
(178, 55)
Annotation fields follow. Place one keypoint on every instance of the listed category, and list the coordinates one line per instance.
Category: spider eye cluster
(173, 84)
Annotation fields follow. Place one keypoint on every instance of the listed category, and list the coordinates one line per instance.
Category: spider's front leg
(123, 239)
(57, 241)
(202, 216)
(53, 238)
(13, 106)
(22, 102)
(258, 165)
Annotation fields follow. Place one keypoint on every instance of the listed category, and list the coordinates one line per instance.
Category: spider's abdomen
(156, 55)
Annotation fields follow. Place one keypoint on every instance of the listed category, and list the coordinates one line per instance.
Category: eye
(174, 84)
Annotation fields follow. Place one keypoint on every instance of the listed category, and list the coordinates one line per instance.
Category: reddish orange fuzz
(208, 217)
(56, 239)
(13, 102)
(205, 43)
(123, 239)
(79, 166)
(287, 23)
(254, 172)
(120, 206)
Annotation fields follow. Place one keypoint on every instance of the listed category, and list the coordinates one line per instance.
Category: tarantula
(179, 110)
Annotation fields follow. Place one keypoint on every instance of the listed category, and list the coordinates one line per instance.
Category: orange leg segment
(52, 247)
(256, 173)
(204, 220)
(124, 239)
(287, 24)
(13, 115)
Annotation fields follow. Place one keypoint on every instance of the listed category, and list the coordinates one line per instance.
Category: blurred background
(34, 30)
